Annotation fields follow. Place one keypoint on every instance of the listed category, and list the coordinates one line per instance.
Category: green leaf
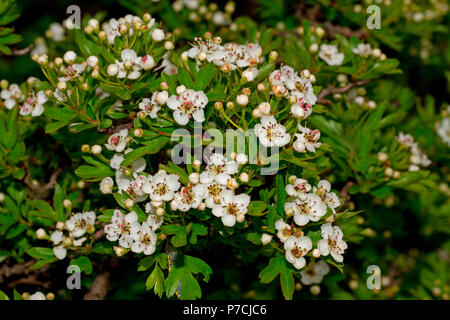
(156, 280)
(3, 296)
(40, 252)
(185, 78)
(83, 263)
(281, 194)
(279, 266)
(44, 210)
(181, 278)
(197, 230)
(58, 199)
(204, 76)
(257, 208)
(179, 232)
(152, 148)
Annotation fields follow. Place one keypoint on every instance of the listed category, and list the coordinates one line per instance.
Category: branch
(21, 52)
(333, 90)
(99, 287)
(40, 191)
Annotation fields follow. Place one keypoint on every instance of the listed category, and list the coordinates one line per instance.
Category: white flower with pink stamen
(307, 140)
(34, 104)
(271, 133)
(187, 105)
(12, 96)
(120, 228)
(118, 141)
(296, 248)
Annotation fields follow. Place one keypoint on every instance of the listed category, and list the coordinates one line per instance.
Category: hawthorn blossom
(330, 54)
(72, 72)
(212, 194)
(271, 133)
(417, 157)
(130, 65)
(298, 189)
(218, 170)
(187, 105)
(106, 185)
(162, 186)
(154, 221)
(133, 187)
(34, 104)
(144, 239)
(296, 248)
(232, 207)
(314, 273)
(443, 130)
(59, 250)
(12, 96)
(307, 140)
(310, 209)
(331, 242)
(323, 190)
(284, 230)
(120, 228)
(363, 49)
(56, 32)
(304, 94)
(190, 197)
(79, 223)
(118, 141)
(150, 106)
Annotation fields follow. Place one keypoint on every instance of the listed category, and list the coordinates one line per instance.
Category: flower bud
(218, 105)
(67, 203)
(201, 56)
(196, 164)
(43, 60)
(264, 107)
(241, 158)
(233, 155)
(96, 149)
(312, 78)
(242, 99)
(164, 86)
(232, 184)
(168, 45)
(316, 253)
(119, 251)
(173, 205)
(184, 56)
(180, 89)
(61, 85)
(376, 52)
(266, 238)
(273, 56)
(383, 157)
(2, 197)
(244, 177)
(313, 48)
(320, 32)
(159, 211)
(60, 225)
(256, 113)
(162, 97)
(123, 28)
(85, 148)
(41, 234)
(102, 35)
(289, 212)
(396, 174)
(371, 104)
(129, 203)
(158, 35)
(261, 87)
(50, 296)
(138, 132)
(48, 93)
(240, 218)
(92, 61)
(95, 74)
(69, 57)
(112, 70)
(194, 178)
(389, 171)
(315, 290)
(230, 105)
(202, 206)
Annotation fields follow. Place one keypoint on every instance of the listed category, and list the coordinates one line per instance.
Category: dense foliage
(186, 149)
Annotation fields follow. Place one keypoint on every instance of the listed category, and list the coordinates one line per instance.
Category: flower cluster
(72, 233)
(418, 157)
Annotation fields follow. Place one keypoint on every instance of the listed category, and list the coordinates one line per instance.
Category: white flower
(284, 230)
(150, 107)
(296, 248)
(72, 72)
(298, 189)
(79, 223)
(443, 130)
(307, 140)
(118, 141)
(189, 104)
(112, 30)
(271, 133)
(162, 186)
(34, 104)
(11, 96)
(363, 49)
(232, 207)
(218, 169)
(328, 197)
(331, 55)
(250, 74)
(120, 228)
(167, 66)
(310, 209)
(134, 188)
(266, 238)
(130, 65)
(38, 295)
(314, 273)
(331, 242)
(212, 194)
(190, 197)
(144, 239)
